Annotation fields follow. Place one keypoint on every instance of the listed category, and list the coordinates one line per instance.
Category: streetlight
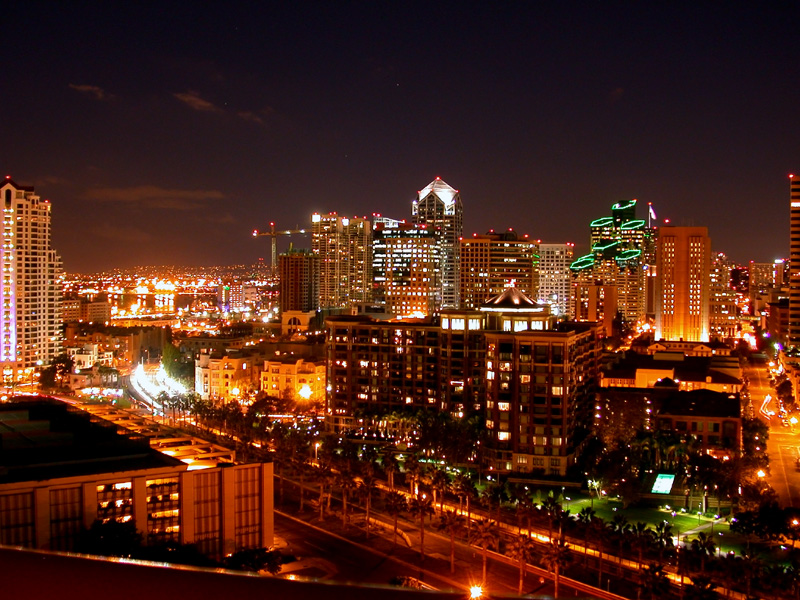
(316, 447)
(475, 592)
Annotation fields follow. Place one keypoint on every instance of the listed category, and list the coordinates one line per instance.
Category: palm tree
(324, 477)
(642, 539)
(556, 558)
(413, 469)
(395, 504)
(654, 581)
(421, 507)
(453, 524)
(663, 539)
(526, 510)
(621, 528)
(465, 490)
(346, 483)
(486, 536)
(704, 546)
(521, 551)
(367, 485)
(552, 508)
(585, 518)
(702, 588)
(599, 533)
(389, 462)
(492, 496)
(439, 482)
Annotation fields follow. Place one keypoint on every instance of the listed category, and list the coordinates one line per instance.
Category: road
(783, 447)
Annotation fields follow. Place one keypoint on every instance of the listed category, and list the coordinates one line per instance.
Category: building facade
(494, 261)
(555, 276)
(344, 247)
(682, 301)
(793, 338)
(438, 207)
(722, 315)
(31, 316)
(405, 269)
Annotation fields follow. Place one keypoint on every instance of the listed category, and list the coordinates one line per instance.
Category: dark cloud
(195, 101)
(95, 92)
(153, 196)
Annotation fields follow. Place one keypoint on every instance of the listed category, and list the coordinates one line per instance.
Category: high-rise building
(682, 299)
(32, 282)
(405, 261)
(555, 276)
(299, 281)
(344, 247)
(722, 298)
(438, 206)
(622, 255)
(494, 261)
(793, 338)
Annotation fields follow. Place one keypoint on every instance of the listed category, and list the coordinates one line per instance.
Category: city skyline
(165, 139)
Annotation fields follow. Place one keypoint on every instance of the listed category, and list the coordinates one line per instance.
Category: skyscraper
(793, 338)
(722, 299)
(554, 275)
(683, 289)
(405, 261)
(438, 206)
(344, 247)
(494, 261)
(621, 256)
(32, 282)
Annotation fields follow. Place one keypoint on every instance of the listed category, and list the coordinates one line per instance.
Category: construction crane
(274, 235)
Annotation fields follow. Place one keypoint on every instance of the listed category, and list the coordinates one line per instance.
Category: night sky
(164, 133)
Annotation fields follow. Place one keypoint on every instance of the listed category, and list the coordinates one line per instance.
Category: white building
(555, 276)
(32, 288)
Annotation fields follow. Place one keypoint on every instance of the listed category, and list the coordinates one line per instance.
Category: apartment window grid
(66, 518)
(17, 520)
(115, 502)
(163, 509)
(207, 506)
(248, 507)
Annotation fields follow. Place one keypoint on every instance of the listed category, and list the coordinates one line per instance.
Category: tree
(701, 588)
(324, 477)
(346, 483)
(556, 558)
(663, 539)
(486, 536)
(395, 504)
(112, 538)
(367, 486)
(599, 533)
(586, 517)
(55, 375)
(492, 496)
(654, 581)
(521, 551)
(552, 508)
(439, 482)
(389, 462)
(255, 560)
(421, 507)
(642, 539)
(703, 546)
(453, 524)
(464, 488)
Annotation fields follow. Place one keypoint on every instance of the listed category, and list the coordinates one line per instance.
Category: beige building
(64, 471)
(683, 291)
(225, 378)
(494, 261)
(303, 381)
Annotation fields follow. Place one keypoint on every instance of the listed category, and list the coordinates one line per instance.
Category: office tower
(555, 276)
(682, 300)
(793, 338)
(494, 261)
(438, 206)
(299, 281)
(405, 262)
(722, 299)
(622, 253)
(32, 282)
(344, 247)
